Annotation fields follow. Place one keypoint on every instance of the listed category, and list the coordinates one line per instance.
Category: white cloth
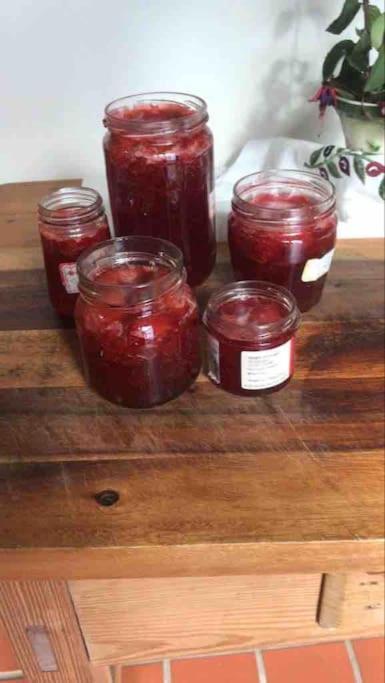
(361, 209)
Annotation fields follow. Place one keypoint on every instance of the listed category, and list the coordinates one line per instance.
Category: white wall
(255, 61)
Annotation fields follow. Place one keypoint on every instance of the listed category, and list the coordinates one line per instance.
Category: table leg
(42, 624)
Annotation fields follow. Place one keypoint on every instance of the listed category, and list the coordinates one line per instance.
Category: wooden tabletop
(209, 483)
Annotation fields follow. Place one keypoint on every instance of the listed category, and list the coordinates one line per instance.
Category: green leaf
(332, 168)
(359, 168)
(343, 48)
(347, 15)
(359, 56)
(377, 32)
(381, 189)
(376, 80)
(373, 13)
(315, 156)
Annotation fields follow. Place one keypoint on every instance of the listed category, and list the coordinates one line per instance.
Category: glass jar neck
(160, 259)
(156, 114)
(70, 207)
(266, 292)
(283, 197)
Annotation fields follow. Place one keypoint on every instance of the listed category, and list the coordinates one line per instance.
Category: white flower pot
(363, 125)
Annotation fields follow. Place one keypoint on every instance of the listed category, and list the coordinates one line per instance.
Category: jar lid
(252, 311)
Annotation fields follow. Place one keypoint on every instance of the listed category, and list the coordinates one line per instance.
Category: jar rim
(257, 288)
(196, 115)
(85, 203)
(322, 190)
(123, 250)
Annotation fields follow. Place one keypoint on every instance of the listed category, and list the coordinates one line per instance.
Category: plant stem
(365, 4)
(366, 14)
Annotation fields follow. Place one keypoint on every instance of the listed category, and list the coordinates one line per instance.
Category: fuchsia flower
(326, 96)
(374, 169)
(381, 107)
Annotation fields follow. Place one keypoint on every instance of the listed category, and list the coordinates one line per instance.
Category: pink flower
(326, 96)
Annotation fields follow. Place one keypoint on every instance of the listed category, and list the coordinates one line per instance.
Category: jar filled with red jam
(159, 162)
(250, 337)
(137, 321)
(70, 220)
(282, 229)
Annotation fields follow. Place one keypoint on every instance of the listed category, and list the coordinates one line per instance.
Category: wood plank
(54, 424)
(31, 605)
(24, 302)
(18, 212)
(154, 618)
(50, 358)
(219, 559)
(369, 253)
(102, 674)
(271, 497)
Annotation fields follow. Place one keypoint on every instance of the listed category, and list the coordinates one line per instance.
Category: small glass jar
(250, 337)
(137, 321)
(282, 229)
(70, 220)
(159, 161)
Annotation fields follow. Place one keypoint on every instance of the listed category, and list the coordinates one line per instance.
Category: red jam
(282, 229)
(159, 161)
(70, 221)
(137, 322)
(250, 337)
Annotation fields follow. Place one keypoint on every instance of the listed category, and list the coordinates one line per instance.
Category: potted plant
(354, 83)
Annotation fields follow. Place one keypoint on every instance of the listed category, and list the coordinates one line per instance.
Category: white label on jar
(69, 277)
(317, 267)
(212, 205)
(213, 369)
(268, 368)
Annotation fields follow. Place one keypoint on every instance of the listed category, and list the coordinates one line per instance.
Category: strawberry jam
(70, 220)
(282, 229)
(159, 162)
(137, 321)
(250, 337)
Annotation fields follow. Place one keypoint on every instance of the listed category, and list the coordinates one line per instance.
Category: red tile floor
(357, 661)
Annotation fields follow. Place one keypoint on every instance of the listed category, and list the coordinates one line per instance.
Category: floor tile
(7, 658)
(149, 673)
(326, 663)
(228, 669)
(370, 654)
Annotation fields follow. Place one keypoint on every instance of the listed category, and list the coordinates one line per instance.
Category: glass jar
(70, 220)
(137, 321)
(159, 162)
(282, 229)
(250, 337)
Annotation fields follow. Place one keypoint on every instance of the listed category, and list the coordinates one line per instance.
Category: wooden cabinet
(230, 511)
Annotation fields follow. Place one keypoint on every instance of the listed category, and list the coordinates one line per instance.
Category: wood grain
(154, 618)
(25, 604)
(209, 482)
(219, 559)
(285, 495)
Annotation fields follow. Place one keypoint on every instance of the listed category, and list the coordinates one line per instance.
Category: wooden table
(240, 522)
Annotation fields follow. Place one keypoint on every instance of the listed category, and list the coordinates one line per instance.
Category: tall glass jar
(282, 229)
(70, 220)
(137, 321)
(159, 161)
